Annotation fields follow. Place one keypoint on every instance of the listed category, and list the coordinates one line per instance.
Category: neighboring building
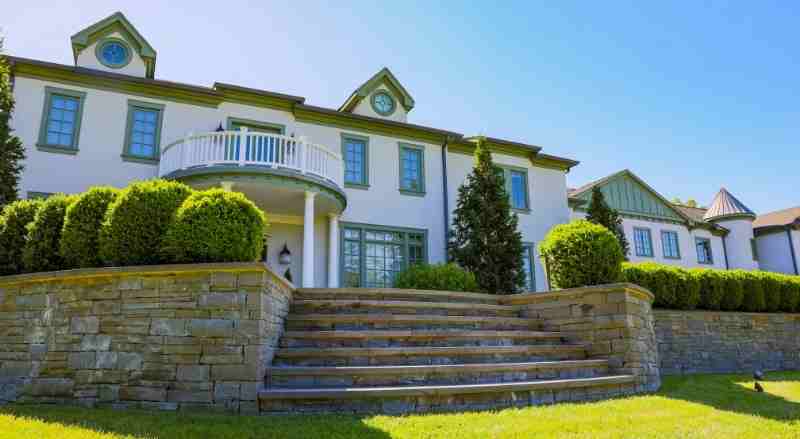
(778, 239)
(657, 230)
(355, 193)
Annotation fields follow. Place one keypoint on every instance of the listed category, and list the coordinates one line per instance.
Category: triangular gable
(115, 22)
(385, 77)
(630, 195)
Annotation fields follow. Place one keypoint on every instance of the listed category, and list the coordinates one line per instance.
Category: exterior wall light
(285, 256)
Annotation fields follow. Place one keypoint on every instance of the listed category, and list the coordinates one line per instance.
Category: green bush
(754, 300)
(443, 277)
(712, 288)
(790, 293)
(734, 290)
(215, 226)
(672, 287)
(582, 253)
(44, 235)
(773, 290)
(81, 235)
(687, 289)
(14, 234)
(137, 220)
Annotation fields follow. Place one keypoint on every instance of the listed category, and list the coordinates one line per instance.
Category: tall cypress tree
(11, 151)
(484, 238)
(599, 212)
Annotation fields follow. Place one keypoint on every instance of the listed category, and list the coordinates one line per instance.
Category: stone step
(439, 374)
(378, 338)
(410, 399)
(394, 294)
(404, 321)
(303, 306)
(426, 355)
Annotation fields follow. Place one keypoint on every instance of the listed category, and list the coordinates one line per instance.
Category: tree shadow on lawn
(735, 393)
(185, 425)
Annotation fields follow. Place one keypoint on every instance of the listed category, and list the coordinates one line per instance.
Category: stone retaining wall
(616, 322)
(725, 342)
(164, 337)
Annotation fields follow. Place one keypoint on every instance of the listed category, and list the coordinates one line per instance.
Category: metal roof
(725, 205)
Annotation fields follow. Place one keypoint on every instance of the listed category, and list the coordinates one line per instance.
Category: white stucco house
(354, 193)
(778, 238)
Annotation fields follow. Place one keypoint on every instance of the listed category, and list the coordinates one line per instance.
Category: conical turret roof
(725, 205)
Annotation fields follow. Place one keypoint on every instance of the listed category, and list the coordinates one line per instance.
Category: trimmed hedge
(14, 234)
(729, 290)
(44, 235)
(581, 253)
(215, 226)
(443, 277)
(136, 222)
(80, 239)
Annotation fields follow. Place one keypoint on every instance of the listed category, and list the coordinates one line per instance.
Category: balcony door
(258, 149)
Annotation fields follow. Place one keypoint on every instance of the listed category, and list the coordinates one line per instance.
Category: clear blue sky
(690, 95)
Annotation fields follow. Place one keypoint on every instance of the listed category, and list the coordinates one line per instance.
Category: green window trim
(666, 237)
(42, 143)
(507, 174)
(364, 184)
(98, 52)
(402, 148)
(754, 248)
(640, 249)
(362, 229)
(529, 250)
(701, 259)
(233, 124)
(134, 105)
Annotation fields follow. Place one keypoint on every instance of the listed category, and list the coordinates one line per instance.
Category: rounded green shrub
(215, 226)
(687, 294)
(581, 253)
(771, 284)
(137, 220)
(44, 235)
(14, 221)
(754, 299)
(734, 291)
(443, 277)
(712, 288)
(80, 238)
(790, 293)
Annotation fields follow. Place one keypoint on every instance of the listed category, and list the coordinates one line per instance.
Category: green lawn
(701, 406)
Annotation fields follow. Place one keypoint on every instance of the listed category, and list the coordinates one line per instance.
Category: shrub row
(728, 290)
(151, 222)
(443, 277)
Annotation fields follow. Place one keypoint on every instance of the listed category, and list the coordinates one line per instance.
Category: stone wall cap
(84, 273)
(523, 298)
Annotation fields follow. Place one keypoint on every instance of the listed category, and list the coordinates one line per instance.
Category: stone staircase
(402, 351)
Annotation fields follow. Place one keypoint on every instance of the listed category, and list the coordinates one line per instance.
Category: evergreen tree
(11, 151)
(599, 212)
(484, 239)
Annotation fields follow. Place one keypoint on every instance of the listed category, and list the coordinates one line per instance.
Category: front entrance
(372, 256)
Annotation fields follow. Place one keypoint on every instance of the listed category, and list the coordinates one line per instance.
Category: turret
(727, 211)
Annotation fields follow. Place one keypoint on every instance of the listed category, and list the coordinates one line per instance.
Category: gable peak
(383, 77)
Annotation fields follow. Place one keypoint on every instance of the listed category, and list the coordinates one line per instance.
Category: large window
(704, 255)
(143, 134)
(355, 151)
(528, 267)
(517, 188)
(61, 120)
(669, 242)
(643, 242)
(412, 169)
(373, 255)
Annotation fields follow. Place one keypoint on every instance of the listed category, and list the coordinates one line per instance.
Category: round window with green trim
(114, 53)
(383, 103)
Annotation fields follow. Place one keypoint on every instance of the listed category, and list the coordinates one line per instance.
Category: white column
(308, 241)
(333, 250)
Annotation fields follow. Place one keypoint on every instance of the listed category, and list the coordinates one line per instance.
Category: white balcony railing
(250, 148)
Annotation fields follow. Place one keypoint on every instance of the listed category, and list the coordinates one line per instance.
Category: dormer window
(113, 53)
(383, 103)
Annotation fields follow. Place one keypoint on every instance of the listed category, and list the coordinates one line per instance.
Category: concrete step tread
(420, 334)
(449, 296)
(400, 318)
(426, 350)
(356, 303)
(437, 368)
(396, 391)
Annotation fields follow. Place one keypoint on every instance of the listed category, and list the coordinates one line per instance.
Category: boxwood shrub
(711, 288)
(215, 226)
(44, 235)
(753, 289)
(790, 293)
(14, 234)
(80, 238)
(137, 220)
(734, 290)
(443, 277)
(581, 253)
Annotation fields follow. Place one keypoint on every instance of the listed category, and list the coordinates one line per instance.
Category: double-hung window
(61, 120)
(669, 242)
(704, 255)
(528, 266)
(517, 187)
(143, 132)
(355, 151)
(643, 242)
(412, 169)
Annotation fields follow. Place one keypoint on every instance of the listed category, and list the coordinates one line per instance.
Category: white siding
(737, 242)
(774, 253)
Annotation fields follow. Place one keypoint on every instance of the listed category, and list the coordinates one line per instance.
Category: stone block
(249, 391)
(140, 393)
(95, 342)
(226, 391)
(129, 361)
(84, 325)
(222, 300)
(193, 373)
(169, 327)
(50, 387)
(106, 360)
(32, 301)
(211, 328)
(221, 359)
(238, 372)
(189, 395)
(82, 360)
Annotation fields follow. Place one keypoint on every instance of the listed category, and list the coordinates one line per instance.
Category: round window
(383, 103)
(114, 54)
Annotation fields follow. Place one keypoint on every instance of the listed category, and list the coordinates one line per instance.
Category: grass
(700, 406)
